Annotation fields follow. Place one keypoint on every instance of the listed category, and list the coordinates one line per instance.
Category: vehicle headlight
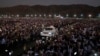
(41, 32)
(50, 33)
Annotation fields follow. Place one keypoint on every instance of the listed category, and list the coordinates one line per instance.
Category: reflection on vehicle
(49, 31)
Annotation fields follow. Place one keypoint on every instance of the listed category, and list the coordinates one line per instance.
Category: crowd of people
(75, 37)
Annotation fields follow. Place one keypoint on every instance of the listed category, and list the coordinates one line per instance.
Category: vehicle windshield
(48, 28)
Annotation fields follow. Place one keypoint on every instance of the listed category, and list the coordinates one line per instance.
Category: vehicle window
(48, 29)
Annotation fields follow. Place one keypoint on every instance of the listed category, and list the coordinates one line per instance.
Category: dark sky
(5, 3)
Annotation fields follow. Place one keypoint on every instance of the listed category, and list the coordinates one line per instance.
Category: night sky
(6, 3)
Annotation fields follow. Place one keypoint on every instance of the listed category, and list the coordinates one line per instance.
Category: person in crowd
(75, 37)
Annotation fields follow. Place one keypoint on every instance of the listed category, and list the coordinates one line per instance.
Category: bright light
(75, 15)
(35, 15)
(50, 15)
(0, 30)
(61, 17)
(50, 33)
(43, 37)
(89, 15)
(55, 15)
(44, 15)
(43, 41)
(17, 15)
(95, 54)
(67, 15)
(6, 50)
(16, 39)
(82, 15)
(10, 53)
(31, 15)
(40, 15)
(41, 32)
(75, 53)
(27, 15)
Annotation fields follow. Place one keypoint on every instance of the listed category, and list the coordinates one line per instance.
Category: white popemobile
(49, 31)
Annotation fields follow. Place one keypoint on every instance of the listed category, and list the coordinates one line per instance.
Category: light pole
(31, 15)
(67, 15)
(35, 15)
(17, 15)
(75, 15)
(90, 15)
(27, 15)
(44, 15)
(50, 15)
(55, 15)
